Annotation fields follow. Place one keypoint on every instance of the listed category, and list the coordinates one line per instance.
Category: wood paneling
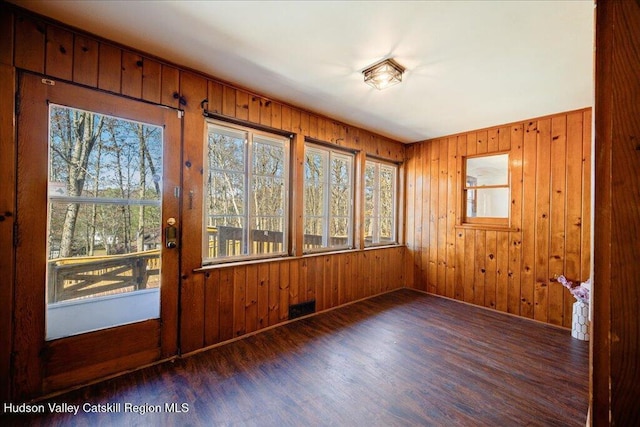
(284, 290)
(151, 81)
(422, 223)
(132, 74)
(242, 104)
(409, 220)
(241, 299)
(29, 47)
(430, 198)
(508, 269)
(7, 206)
(225, 302)
(514, 282)
(6, 35)
(527, 283)
(541, 220)
(109, 68)
(213, 287)
(558, 215)
(616, 293)
(263, 295)
(59, 53)
(170, 90)
(193, 89)
(228, 101)
(85, 61)
(251, 299)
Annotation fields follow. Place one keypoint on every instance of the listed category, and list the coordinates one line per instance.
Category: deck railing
(227, 241)
(73, 278)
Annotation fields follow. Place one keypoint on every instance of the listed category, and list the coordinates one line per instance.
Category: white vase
(580, 321)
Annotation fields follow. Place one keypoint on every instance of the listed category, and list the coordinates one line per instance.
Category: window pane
(267, 196)
(369, 189)
(313, 200)
(104, 229)
(225, 186)
(313, 232)
(368, 230)
(488, 170)
(314, 184)
(246, 184)
(387, 234)
(387, 191)
(314, 166)
(488, 202)
(268, 158)
(226, 237)
(268, 203)
(267, 235)
(380, 203)
(340, 201)
(340, 170)
(93, 155)
(225, 193)
(226, 151)
(339, 232)
(328, 203)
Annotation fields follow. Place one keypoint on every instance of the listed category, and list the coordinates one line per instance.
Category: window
(104, 221)
(380, 203)
(328, 198)
(486, 189)
(246, 184)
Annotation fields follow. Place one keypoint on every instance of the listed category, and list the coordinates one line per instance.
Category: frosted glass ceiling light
(383, 74)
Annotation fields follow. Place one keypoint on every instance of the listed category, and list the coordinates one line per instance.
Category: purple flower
(579, 291)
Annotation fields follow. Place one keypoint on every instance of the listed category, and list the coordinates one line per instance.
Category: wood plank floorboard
(398, 359)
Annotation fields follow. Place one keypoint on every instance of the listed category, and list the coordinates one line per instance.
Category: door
(96, 252)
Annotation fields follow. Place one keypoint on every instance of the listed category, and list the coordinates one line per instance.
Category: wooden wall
(7, 198)
(615, 346)
(510, 270)
(223, 302)
(237, 300)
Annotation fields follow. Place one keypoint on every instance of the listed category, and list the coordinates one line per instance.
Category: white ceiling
(470, 64)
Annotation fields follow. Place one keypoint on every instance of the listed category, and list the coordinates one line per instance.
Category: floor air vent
(302, 309)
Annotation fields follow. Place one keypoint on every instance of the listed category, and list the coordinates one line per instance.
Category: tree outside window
(246, 183)
(380, 203)
(328, 198)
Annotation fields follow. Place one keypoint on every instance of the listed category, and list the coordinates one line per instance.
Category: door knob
(171, 234)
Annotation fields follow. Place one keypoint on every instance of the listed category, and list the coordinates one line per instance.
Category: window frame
(375, 238)
(330, 153)
(479, 220)
(249, 213)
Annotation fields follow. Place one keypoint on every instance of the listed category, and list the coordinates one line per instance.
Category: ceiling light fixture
(383, 74)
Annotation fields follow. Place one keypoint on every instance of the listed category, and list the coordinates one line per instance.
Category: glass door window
(104, 227)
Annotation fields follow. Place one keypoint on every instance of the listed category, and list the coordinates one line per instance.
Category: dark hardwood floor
(403, 358)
